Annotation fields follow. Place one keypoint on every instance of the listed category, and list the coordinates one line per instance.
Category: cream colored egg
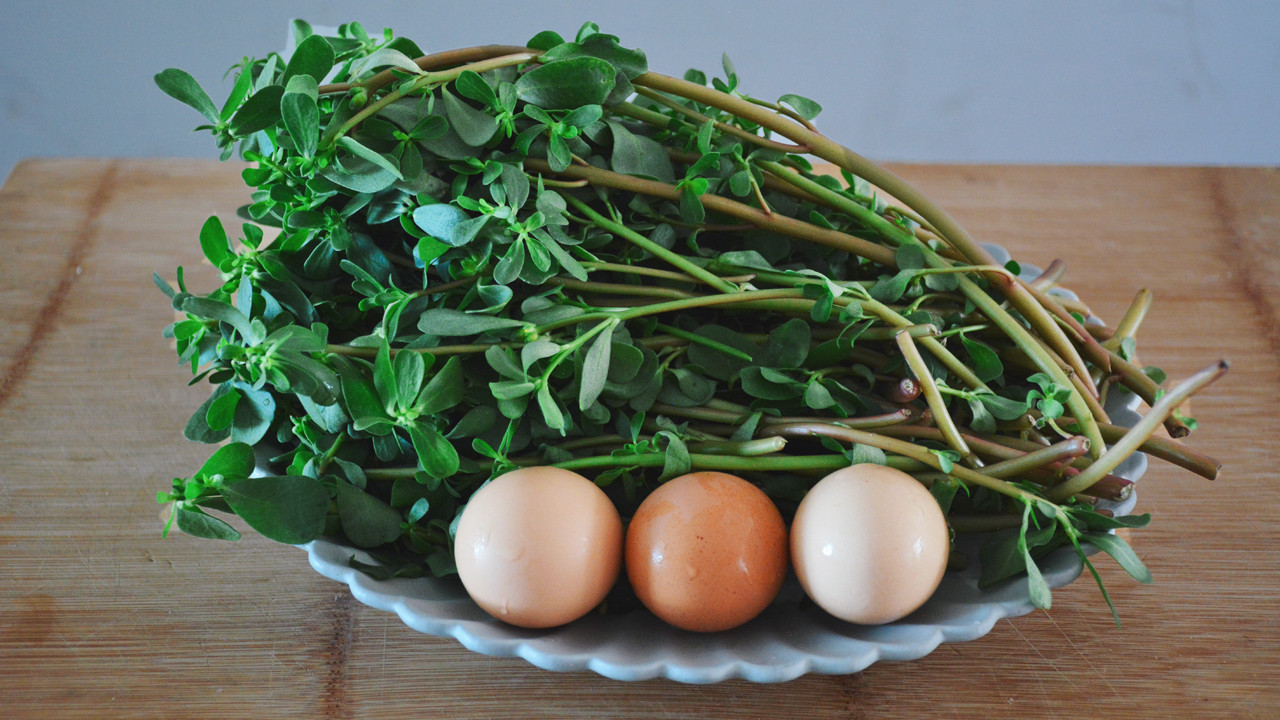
(538, 547)
(869, 544)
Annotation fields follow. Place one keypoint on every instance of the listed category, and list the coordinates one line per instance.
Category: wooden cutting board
(100, 617)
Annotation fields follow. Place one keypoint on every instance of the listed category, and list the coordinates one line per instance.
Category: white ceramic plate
(788, 640)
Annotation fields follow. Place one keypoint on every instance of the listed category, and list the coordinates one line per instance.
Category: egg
(869, 544)
(539, 546)
(706, 551)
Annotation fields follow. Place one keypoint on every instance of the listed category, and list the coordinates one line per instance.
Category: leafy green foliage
(523, 261)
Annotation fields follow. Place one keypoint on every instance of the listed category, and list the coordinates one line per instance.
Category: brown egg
(706, 551)
(869, 544)
(538, 547)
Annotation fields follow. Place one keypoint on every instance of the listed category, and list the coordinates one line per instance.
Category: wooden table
(100, 617)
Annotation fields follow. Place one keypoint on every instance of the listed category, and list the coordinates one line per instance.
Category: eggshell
(869, 544)
(539, 547)
(706, 551)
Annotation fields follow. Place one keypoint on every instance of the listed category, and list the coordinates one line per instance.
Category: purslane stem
(843, 157)
(424, 81)
(901, 447)
(1139, 433)
(433, 61)
(929, 388)
(1058, 452)
(726, 128)
(938, 218)
(734, 417)
(641, 241)
(1133, 318)
(715, 203)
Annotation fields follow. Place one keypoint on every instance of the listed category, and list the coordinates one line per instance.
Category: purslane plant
(548, 255)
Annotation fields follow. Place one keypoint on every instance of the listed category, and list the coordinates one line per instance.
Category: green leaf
(365, 153)
(502, 361)
(436, 455)
(595, 369)
(551, 413)
(804, 107)
(473, 125)
(449, 224)
(510, 265)
(223, 411)
(511, 389)
(213, 241)
(1157, 375)
(384, 378)
(756, 384)
(1123, 554)
(1128, 348)
(196, 522)
(197, 428)
(431, 127)
(419, 510)
(890, 288)
(718, 364)
(385, 57)
(821, 310)
(986, 363)
(313, 57)
(1037, 589)
(289, 509)
(516, 185)
(625, 362)
(179, 85)
(818, 397)
(216, 310)
(545, 40)
(565, 84)
(691, 209)
(409, 370)
(366, 520)
(253, 416)
(559, 157)
(639, 155)
(358, 174)
(1051, 408)
(675, 457)
(584, 116)
(429, 249)
(942, 282)
(439, 220)
(477, 421)
(944, 491)
(982, 421)
(444, 322)
(471, 85)
(946, 459)
(231, 460)
(301, 114)
(444, 390)
(361, 397)
(751, 259)
(788, 345)
(630, 63)
(1095, 521)
(537, 350)
(259, 112)
(1002, 407)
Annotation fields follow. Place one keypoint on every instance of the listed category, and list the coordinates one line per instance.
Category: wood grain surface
(100, 617)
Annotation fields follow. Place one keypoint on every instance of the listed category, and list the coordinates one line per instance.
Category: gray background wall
(1142, 81)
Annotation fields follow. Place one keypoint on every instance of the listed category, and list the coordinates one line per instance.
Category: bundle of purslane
(548, 255)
